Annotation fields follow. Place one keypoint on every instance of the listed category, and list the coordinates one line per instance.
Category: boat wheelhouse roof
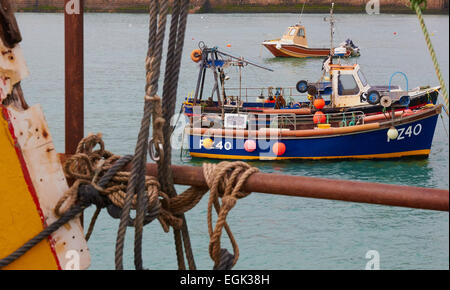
(296, 34)
(342, 67)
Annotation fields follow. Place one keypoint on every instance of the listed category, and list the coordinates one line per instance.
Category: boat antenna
(301, 14)
(331, 29)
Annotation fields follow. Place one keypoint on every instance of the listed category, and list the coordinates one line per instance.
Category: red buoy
(279, 148)
(319, 103)
(319, 117)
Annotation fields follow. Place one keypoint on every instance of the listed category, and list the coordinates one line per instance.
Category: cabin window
(301, 32)
(292, 32)
(347, 86)
(362, 77)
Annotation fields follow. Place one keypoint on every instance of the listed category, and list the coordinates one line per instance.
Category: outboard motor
(350, 46)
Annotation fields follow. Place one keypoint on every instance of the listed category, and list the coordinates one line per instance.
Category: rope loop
(225, 180)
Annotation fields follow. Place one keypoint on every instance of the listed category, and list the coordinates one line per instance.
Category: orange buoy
(228, 45)
(279, 148)
(319, 103)
(196, 55)
(319, 117)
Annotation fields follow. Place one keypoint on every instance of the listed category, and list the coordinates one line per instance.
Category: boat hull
(293, 50)
(415, 139)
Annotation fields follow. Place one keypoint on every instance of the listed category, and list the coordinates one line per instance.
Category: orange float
(279, 148)
(319, 117)
(196, 55)
(319, 103)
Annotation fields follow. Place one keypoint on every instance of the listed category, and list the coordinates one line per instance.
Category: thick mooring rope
(173, 62)
(416, 5)
(136, 186)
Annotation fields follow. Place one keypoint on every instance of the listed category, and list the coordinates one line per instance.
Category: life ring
(196, 55)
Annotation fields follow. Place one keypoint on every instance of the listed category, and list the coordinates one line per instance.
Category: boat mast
(331, 29)
(240, 64)
(332, 76)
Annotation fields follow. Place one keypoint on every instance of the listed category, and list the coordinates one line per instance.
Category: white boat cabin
(350, 87)
(348, 83)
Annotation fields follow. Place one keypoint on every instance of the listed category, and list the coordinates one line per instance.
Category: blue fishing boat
(280, 137)
(343, 117)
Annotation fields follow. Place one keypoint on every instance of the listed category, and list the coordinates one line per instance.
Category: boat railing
(342, 119)
(293, 121)
(273, 121)
(261, 94)
(256, 121)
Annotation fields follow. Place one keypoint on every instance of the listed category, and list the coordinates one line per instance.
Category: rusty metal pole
(322, 188)
(74, 74)
(311, 187)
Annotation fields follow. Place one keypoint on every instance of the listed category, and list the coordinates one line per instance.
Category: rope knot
(88, 195)
(228, 202)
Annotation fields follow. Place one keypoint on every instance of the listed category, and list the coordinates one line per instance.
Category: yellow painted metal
(19, 215)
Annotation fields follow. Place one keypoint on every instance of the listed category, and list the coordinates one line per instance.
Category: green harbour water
(273, 232)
